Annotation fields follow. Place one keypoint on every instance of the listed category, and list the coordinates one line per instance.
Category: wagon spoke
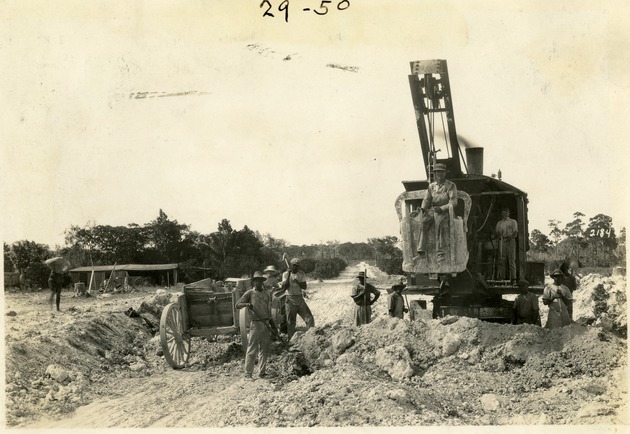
(178, 354)
(170, 323)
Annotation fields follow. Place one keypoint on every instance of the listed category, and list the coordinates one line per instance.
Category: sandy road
(170, 399)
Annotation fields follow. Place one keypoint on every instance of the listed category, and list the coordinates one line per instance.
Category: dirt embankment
(453, 371)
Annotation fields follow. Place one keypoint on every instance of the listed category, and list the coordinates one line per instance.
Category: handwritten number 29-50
(322, 9)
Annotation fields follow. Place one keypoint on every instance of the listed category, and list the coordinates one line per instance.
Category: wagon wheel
(244, 320)
(175, 340)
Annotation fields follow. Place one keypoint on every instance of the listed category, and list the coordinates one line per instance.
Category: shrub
(329, 268)
(391, 264)
(36, 275)
(307, 265)
(340, 264)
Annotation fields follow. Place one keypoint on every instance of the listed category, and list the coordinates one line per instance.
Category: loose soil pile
(452, 371)
(602, 301)
(57, 361)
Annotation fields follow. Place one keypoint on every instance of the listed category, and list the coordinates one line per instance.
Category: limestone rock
(58, 373)
(490, 402)
(395, 360)
(137, 366)
(450, 344)
(342, 340)
(162, 297)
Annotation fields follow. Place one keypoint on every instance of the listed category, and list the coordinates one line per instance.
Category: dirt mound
(55, 366)
(602, 301)
(52, 368)
(451, 371)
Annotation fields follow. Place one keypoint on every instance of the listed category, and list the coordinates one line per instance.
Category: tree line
(227, 252)
(593, 243)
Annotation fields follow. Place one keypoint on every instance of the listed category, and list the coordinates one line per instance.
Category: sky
(211, 110)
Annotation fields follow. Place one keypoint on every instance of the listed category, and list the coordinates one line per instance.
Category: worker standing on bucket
(258, 340)
(440, 194)
(294, 281)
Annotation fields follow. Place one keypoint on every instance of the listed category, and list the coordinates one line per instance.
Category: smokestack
(474, 161)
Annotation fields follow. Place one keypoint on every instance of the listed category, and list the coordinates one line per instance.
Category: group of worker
(259, 300)
(441, 194)
(365, 295)
(268, 286)
(558, 296)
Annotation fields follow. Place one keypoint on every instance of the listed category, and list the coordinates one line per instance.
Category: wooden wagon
(204, 309)
(207, 309)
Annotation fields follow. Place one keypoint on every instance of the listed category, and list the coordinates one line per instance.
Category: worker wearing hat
(59, 267)
(272, 283)
(395, 302)
(525, 309)
(258, 301)
(568, 280)
(441, 194)
(364, 296)
(294, 282)
(557, 297)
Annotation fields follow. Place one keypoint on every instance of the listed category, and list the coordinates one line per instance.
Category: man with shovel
(294, 281)
(258, 301)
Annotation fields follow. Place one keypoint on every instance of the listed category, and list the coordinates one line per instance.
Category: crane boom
(431, 95)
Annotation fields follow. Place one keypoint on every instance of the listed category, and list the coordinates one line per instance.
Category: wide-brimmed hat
(439, 166)
(556, 272)
(270, 269)
(295, 261)
(362, 274)
(395, 287)
(523, 283)
(259, 275)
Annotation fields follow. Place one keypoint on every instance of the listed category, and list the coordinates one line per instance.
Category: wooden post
(110, 276)
(91, 276)
(91, 280)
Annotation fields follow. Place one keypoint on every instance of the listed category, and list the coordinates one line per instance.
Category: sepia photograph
(316, 214)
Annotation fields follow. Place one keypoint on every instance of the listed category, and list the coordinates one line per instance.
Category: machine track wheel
(175, 341)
